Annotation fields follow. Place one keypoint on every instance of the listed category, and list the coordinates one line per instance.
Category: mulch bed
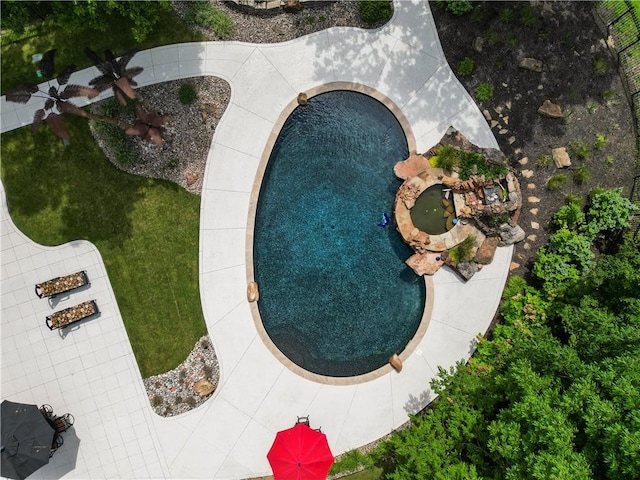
(579, 74)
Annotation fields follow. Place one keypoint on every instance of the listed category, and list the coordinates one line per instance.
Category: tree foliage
(555, 393)
(143, 16)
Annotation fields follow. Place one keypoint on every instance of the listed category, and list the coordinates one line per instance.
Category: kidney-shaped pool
(336, 297)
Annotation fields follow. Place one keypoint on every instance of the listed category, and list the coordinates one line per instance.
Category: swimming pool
(336, 297)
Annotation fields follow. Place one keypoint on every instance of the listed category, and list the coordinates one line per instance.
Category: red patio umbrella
(300, 453)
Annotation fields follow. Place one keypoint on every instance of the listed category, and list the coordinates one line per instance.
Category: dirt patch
(579, 74)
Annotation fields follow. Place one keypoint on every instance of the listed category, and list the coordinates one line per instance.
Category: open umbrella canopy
(300, 453)
(26, 439)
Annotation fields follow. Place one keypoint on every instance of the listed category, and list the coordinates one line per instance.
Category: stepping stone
(506, 120)
(531, 186)
(535, 225)
(508, 104)
(534, 211)
(512, 140)
(503, 131)
(487, 114)
(533, 200)
(526, 246)
(513, 266)
(532, 237)
(498, 109)
(523, 161)
(493, 123)
(527, 173)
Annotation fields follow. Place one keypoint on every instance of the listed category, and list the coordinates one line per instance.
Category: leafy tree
(143, 16)
(555, 393)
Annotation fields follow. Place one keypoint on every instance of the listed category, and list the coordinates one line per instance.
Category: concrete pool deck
(91, 371)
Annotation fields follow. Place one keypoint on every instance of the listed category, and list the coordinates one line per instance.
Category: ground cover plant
(139, 225)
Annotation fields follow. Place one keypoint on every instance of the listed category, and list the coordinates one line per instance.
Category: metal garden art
(114, 75)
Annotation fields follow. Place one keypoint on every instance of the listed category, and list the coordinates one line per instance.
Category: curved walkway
(228, 436)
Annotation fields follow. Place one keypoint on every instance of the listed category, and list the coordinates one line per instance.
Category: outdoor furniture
(59, 285)
(63, 423)
(27, 439)
(70, 315)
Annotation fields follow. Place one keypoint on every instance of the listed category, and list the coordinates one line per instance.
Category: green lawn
(369, 474)
(16, 51)
(146, 231)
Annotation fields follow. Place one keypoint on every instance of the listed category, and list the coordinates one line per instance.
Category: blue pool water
(335, 295)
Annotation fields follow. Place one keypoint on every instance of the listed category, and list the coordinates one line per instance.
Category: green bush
(569, 216)
(581, 174)
(466, 66)
(579, 149)
(575, 199)
(206, 15)
(608, 211)
(187, 94)
(475, 163)
(528, 15)
(484, 91)
(575, 246)
(448, 157)
(350, 462)
(506, 15)
(600, 66)
(601, 141)
(463, 252)
(544, 161)
(117, 141)
(375, 11)
(457, 7)
(557, 181)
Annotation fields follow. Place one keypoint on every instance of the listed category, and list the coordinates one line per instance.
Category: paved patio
(91, 371)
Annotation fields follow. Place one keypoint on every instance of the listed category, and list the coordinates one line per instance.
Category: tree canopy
(555, 393)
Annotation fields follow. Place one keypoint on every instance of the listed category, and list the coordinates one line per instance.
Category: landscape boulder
(561, 157)
(484, 254)
(531, 64)
(510, 234)
(550, 109)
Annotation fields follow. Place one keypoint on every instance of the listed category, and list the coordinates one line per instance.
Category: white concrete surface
(91, 371)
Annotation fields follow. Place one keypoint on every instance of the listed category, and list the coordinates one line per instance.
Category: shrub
(457, 7)
(484, 91)
(544, 161)
(465, 67)
(575, 199)
(569, 216)
(557, 181)
(448, 157)
(506, 15)
(206, 15)
(528, 15)
(191, 401)
(554, 270)
(581, 174)
(579, 149)
(574, 246)
(601, 141)
(375, 11)
(475, 163)
(608, 211)
(600, 66)
(157, 400)
(187, 94)
(117, 141)
(463, 252)
(350, 462)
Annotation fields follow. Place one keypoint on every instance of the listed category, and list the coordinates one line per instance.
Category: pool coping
(253, 205)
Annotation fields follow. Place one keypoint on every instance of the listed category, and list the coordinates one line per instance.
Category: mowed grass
(17, 68)
(146, 231)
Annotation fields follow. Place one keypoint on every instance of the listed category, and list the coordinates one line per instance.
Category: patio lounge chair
(70, 315)
(59, 285)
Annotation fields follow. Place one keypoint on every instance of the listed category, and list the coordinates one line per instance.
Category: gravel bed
(183, 156)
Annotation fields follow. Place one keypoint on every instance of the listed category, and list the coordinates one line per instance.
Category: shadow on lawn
(71, 192)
